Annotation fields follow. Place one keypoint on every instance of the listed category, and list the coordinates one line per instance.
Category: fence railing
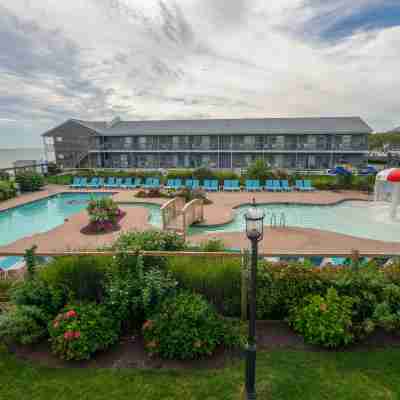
(193, 212)
(170, 212)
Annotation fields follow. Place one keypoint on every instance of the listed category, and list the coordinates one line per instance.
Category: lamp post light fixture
(255, 232)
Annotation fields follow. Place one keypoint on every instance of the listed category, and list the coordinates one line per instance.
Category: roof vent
(114, 122)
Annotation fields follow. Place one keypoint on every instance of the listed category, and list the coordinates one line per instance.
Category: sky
(176, 59)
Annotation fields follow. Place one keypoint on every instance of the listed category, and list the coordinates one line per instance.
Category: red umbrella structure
(388, 185)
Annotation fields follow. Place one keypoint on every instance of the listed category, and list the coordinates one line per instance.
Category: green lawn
(291, 375)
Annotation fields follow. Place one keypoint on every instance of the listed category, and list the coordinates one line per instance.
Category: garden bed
(93, 228)
(129, 351)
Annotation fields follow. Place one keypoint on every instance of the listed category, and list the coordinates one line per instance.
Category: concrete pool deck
(67, 237)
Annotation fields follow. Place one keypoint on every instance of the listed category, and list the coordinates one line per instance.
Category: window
(60, 156)
(128, 142)
(49, 141)
(59, 139)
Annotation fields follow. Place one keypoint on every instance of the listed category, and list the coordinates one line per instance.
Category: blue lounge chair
(76, 183)
(137, 183)
(101, 182)
(93, 184)
(189, 183)
(83, 183)
(178, 184)
(252, 185)
(299, 186)
(277, 186)
(285, 186)
(170, 184)
(210, 185)
(227, 185)
(152, 183)
(128, 184)
(119, 182)
(308, 187)
(110, 184)
(270, 186)
(196, 184)
(231, 185)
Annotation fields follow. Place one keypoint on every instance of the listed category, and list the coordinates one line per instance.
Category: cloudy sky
(155, 59)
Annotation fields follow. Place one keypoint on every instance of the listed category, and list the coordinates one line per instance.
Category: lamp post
(255, 231)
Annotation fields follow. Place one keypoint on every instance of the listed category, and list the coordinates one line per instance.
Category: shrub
(103, 213)
(190, 195)
(24, 325)
(151, 194)
(134, 293)
(180, 173)
(186, 327)
(217, 279)
(7, 190)
(282, 286)
(78, 278)
(387, 313)
(259, 169)
(148, 240)
(29, 181)
(213, 245)
(324, 320)
(35, 292)
(79, 331)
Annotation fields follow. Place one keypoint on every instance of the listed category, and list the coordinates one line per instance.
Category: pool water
(356, 218)
(42, 215)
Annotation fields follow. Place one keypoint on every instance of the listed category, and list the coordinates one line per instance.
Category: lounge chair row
(212, 185)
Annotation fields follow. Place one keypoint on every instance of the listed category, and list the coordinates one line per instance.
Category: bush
(35, 292)
(324, 320)
(186, 327)
(387, 313)
(213, 245)
(147, 241)
(79, 331)
(7, 190)
(179, 174)
(133, 293)
(64, 179)
(190, 195)
(29, 181)
(78, 278)
(259, 169)
(217, 279)
(203, 173)
(150, 194)
(24, 325)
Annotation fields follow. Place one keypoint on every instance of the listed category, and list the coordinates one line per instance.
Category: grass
(280, 375)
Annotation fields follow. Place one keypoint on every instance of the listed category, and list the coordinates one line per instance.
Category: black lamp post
(255, 231)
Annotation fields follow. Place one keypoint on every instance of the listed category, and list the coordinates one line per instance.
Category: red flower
(56, 324)
(77, 335)
(70, 314)
(68, 335)
(148, 324)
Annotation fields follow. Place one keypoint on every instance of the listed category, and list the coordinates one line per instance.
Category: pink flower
(77, 335)
(68, 335)
(70, 314)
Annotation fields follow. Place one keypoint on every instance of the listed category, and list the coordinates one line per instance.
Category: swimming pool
(42, 215)
(356, 218)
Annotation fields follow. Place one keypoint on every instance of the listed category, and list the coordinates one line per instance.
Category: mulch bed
(129, 352)
(92, 228)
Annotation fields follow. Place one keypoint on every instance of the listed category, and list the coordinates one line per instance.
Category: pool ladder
(278, 221)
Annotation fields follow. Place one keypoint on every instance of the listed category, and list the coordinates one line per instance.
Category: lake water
(8, 156)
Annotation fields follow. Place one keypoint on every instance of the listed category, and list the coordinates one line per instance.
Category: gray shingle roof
(270, 126)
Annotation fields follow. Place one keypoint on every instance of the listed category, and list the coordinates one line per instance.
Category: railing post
(244, 284)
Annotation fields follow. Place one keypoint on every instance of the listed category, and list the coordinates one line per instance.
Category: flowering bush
(324, 320)
(104, 214)
(187, 327)
(79, 331)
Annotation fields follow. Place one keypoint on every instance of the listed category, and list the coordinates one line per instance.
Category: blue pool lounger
(152, 183)
(299, 186)
(76, 183)
(308, 186)
(269, 186)
(110, 183)
(128, 184)
(210, 185)
(277, 186)
(94, 183)
(285, 186)
(252, 185)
